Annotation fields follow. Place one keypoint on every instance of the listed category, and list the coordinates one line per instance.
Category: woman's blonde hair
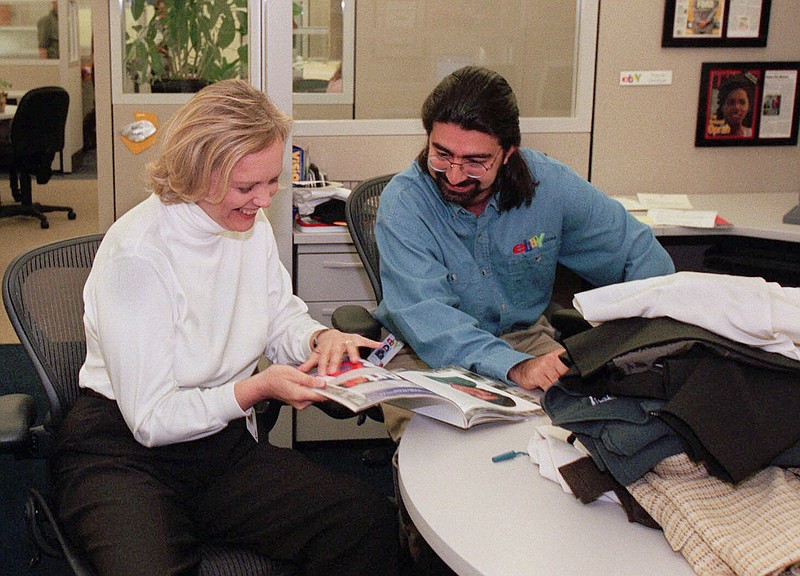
(219, 126)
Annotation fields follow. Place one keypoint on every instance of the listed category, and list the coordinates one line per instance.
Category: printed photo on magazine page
(452, 394)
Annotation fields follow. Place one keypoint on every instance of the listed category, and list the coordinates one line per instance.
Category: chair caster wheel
(71, 215)
(45, 224)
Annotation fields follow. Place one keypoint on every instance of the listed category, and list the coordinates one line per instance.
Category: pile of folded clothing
(686, 393)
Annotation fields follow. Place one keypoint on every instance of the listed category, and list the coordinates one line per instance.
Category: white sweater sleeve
(134, 307)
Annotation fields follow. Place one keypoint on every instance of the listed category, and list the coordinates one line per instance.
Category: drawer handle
(343, 265)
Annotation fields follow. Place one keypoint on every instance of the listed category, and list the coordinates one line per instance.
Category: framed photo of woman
(748, 104)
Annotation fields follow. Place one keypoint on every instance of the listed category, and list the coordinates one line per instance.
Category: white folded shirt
(748, 310)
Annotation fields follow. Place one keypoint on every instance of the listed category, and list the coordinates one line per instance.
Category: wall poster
(715, 23)
(748, 104)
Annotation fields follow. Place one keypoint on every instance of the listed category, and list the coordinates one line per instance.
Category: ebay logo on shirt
(529, 244)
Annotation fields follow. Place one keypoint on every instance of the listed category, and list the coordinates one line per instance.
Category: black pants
(143, 511)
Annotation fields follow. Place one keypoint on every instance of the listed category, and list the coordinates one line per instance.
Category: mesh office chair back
(43, 296)
(361, 211)
(42, 292)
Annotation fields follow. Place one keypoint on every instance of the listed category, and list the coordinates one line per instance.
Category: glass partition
(403, 48)
(399, 51)
(322, 54)
(27, 25)
(174, 46)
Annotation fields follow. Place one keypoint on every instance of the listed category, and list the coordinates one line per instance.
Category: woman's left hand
(331, 349)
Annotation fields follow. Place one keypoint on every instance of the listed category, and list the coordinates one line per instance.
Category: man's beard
(466, 197)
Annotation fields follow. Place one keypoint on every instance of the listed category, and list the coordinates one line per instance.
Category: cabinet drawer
(332, 278)
(321, 311)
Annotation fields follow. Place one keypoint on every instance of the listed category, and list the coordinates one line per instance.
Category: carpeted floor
(16, 476)
(20, 234)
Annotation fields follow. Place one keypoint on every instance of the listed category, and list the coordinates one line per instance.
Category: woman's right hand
(279, 382)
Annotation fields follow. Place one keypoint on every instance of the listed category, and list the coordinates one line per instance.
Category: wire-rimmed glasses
(470, 168)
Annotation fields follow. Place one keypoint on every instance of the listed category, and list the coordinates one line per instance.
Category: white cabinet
(327, 274)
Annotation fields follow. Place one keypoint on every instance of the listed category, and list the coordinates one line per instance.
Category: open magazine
(453, 394)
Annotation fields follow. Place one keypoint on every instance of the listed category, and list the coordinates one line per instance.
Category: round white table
(499, 519)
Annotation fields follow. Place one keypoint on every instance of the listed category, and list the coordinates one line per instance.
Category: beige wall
(644, 135)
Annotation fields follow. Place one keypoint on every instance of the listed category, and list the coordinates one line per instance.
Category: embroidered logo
(529, 244)
(594, 400)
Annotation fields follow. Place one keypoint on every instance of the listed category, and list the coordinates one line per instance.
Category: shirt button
(483, 272)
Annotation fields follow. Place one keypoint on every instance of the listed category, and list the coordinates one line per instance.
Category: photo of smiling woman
(735, 101)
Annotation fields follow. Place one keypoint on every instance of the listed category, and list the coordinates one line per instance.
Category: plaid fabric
(748, 529)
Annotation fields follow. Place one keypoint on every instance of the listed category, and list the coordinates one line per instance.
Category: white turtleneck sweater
(178, 310)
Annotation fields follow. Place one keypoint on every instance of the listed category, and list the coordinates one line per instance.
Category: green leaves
(186, 39)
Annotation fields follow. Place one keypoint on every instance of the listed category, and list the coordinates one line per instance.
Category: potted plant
(4, 86)
(182, 45)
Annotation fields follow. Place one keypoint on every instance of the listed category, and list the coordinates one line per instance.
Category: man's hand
(540, 372)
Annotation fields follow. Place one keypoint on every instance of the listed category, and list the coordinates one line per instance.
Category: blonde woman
(160, 452)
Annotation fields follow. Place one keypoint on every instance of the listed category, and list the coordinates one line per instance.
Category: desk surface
(9, 112)
(487, 519)
(752, 215)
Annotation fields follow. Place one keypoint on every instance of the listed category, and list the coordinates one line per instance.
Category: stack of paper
(671, 210)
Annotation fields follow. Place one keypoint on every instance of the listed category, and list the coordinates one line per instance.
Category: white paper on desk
(690, 218)
(630, 203)
(673, 201)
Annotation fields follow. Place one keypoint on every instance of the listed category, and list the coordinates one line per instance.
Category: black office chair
(361, 211)
(43, 296)
(37, 134)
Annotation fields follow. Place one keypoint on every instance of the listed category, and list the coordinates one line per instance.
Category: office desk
(487, 519)
(752, 216)
(9, 112)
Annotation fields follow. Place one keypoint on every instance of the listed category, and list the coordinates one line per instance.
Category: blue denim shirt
(452, 281)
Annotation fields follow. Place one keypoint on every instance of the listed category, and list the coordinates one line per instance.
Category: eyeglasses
(471, 168)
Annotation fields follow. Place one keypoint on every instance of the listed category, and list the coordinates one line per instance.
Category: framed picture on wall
(715, 23)
(748, 104)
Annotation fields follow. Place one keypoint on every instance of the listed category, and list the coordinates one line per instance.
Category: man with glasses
(469, 237)
(471, 233)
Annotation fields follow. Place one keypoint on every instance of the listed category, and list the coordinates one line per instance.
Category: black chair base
(35, 210)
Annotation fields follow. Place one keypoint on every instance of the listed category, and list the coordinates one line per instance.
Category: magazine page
(480, 398)
(360, 385)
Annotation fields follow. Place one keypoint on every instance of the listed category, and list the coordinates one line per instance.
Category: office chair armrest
(356, 319)
(17, 415)
(339, 412)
